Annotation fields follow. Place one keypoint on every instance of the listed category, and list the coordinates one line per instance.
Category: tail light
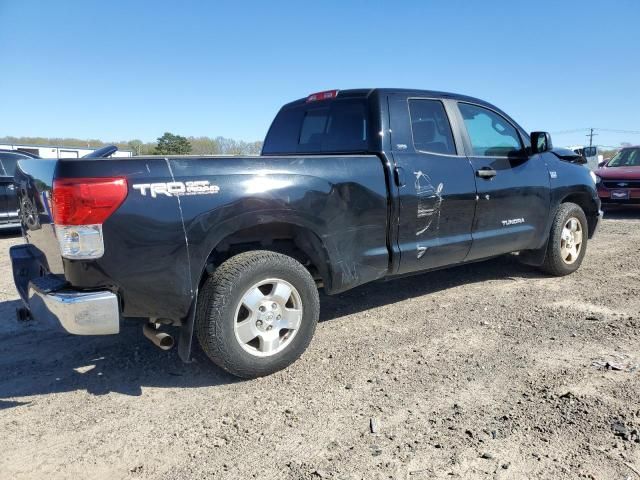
(79, 207)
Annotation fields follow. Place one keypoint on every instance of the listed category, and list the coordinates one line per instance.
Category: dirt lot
(484, 371)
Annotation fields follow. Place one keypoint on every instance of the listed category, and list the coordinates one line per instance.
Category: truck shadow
(11, 233)
(383, 292)
(38, 359)
(43, 359)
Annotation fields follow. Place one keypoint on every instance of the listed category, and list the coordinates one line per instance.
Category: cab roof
(367, 92)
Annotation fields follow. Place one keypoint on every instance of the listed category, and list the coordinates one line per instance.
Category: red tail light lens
(86, 201)
(327, 95)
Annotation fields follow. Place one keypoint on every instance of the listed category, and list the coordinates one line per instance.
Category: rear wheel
(567, 240)
(257, 313)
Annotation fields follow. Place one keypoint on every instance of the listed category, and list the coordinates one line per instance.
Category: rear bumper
(49, 298)
(10, 226)
(79, 313)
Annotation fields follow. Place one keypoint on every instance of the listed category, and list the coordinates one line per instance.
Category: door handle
(486, 172)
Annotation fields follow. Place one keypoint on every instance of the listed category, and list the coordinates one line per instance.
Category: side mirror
(540, 142)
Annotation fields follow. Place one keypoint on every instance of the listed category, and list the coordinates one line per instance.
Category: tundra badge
(512, 221)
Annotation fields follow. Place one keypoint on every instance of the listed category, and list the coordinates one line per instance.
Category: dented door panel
(437, 198)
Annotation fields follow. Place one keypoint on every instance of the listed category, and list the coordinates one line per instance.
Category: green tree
(170, 144)
(204, 146)
(135, 146)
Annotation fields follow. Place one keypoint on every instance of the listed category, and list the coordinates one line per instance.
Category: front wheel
(257, 313)
(567, 241)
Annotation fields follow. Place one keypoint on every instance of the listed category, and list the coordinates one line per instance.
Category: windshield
(629, 157)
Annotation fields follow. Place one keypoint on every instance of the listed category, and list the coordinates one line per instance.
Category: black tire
(221, 295)
(554, 262)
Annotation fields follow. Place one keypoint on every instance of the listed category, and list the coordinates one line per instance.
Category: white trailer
(56, 151)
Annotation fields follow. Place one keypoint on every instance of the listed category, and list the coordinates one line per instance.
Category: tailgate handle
(486, 172)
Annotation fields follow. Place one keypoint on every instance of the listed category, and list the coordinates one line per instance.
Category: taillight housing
(79, 207)
(326, 95)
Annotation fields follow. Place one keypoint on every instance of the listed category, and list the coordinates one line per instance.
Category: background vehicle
(591, 155)
(619, 180)
(352, 187)
(9, 211)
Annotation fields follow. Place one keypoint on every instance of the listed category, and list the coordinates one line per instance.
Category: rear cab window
(430, 127)
(328, 126)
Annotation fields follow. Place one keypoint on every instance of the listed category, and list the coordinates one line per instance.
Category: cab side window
(430, 127)
(490, 134)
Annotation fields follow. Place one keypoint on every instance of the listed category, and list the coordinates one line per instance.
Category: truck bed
(339, 201)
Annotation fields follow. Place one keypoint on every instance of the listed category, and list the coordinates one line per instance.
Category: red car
(619, 180)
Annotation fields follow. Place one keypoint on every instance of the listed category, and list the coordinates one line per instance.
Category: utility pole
(591, 135)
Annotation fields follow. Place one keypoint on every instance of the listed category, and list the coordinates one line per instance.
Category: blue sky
(135, 69)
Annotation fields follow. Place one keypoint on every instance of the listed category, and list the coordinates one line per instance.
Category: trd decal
(176, 189)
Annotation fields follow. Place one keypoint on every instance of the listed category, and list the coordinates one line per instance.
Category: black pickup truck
(352, 186)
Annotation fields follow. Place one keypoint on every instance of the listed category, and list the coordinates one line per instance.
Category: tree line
(167, 144)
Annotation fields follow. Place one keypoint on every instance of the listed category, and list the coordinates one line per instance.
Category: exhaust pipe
(162, 340)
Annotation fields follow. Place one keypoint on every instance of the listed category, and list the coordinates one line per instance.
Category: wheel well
(288, 239)
(584, 201)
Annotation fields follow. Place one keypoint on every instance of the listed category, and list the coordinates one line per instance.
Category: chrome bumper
(79, 313)
(11, 226)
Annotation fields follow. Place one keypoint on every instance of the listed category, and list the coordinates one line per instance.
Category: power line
(575, 130)
(632, 132)
(609, 130)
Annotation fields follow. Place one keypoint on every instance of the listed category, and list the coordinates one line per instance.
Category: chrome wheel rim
(268, 317)
(571, 241)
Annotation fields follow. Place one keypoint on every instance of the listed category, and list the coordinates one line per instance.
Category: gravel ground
(490, 370)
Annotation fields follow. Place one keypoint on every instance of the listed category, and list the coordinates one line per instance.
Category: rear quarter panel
(342, 200)
(145, 258)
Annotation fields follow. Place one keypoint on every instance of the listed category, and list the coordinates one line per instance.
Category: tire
(561, 260)
(246, 296)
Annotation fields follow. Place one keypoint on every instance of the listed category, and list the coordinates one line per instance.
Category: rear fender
(316, 249)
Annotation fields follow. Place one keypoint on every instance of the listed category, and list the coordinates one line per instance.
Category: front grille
(613, 184)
